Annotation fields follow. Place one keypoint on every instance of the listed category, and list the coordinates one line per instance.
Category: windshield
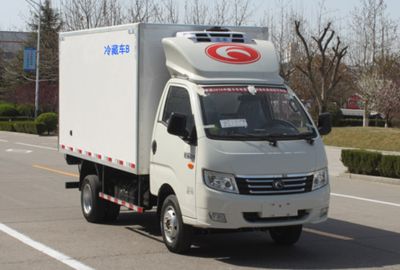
(253, 113)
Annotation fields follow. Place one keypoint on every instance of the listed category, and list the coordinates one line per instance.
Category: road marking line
(1, 140)
(23, 151)
(365, 199)
(37, 146)
(55, 171)
(44, 249)
(326, 234)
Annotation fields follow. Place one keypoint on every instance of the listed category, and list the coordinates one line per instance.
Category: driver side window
(178, 101)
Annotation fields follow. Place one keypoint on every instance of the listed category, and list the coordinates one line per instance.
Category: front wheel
(287, 235)
(177, 235)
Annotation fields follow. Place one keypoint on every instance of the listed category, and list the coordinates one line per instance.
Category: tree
(369, 84)
(220, 12)
(20, 83)
(374, 36)
(143, 11)
(167, 11)
(322, 63)
(241, 12)
(84, 14)
(50, 26)
(196, 12)
(2, 74)
(279, 22)
(388, 101)
(386, 91)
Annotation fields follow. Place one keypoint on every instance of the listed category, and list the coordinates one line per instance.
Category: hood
(260, 158)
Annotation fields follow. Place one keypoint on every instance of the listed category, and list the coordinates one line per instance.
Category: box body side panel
(98, 96)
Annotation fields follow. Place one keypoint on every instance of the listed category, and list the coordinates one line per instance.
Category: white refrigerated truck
(192, 121)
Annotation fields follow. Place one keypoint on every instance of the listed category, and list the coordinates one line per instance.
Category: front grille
(274, 185)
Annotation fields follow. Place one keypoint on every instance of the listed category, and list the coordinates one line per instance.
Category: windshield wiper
(308, 136)
(274, 137)
(245, 135)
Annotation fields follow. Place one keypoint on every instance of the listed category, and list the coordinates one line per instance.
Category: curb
(370, 178)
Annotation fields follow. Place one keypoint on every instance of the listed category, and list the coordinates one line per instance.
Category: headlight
(320, 179)
(220, 181)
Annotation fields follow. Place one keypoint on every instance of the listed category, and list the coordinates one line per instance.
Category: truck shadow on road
(335, 244)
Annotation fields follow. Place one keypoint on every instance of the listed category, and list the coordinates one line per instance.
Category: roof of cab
(222, 62)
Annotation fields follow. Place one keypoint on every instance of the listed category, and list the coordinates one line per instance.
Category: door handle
(154, 147)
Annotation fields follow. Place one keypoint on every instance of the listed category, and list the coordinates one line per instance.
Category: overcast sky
(14, 13)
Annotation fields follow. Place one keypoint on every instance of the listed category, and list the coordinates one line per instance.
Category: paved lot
(363, 231)
(336, 167)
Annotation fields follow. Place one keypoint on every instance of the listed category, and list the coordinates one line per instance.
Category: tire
(93, 207)
(177, 235)
(112, 211)
(287, 235)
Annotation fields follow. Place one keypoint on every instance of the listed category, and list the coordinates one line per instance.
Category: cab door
(173, 158)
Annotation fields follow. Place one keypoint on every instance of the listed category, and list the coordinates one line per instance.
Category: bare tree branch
(322, 62)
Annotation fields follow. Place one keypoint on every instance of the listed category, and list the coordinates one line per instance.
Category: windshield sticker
(230, 123)
(209, 126)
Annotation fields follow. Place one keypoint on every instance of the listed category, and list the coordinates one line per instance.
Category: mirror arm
(191, 140)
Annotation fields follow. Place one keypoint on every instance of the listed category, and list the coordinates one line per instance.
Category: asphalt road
(41, 226)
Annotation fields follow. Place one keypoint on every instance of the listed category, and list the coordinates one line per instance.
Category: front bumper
(251, 211)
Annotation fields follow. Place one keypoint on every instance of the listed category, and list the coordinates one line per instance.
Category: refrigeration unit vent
(215, 36)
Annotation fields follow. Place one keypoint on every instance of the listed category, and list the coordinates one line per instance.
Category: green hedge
(46, 122)
(15, 118)
(361, 161)
(7, 109)
(390, 166)
(358, 122)
(371, 163)
(26, 110)
(25, 127)
(7, 126)
(19, 126)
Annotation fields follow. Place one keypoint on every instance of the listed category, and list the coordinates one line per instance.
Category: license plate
(285, 209)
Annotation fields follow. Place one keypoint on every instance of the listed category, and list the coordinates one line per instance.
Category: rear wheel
(95, 209)
(287, 235)
(176, 234)
(112, 211)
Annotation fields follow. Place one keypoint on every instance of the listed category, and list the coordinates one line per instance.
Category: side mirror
(324, 123)
(177, 125)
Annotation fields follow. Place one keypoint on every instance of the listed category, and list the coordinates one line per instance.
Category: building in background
(12, 42)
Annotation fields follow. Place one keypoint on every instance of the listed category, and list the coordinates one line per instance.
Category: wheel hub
(170, 224)
(87, 200)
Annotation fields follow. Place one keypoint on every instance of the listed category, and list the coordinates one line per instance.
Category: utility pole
(37, 7)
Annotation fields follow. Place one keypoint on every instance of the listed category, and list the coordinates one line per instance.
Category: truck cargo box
(111, 80)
